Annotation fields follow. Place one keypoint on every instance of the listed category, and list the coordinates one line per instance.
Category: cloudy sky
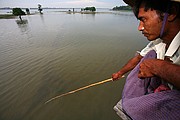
(62, 3)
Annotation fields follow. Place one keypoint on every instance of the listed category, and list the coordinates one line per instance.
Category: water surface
(56, 52)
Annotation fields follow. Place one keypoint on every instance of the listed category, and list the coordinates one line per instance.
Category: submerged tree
(40, 9)
(18, 12)
(90, 9)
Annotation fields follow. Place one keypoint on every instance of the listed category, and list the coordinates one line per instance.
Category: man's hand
(116, 76)
(127, 67)
(148, 68)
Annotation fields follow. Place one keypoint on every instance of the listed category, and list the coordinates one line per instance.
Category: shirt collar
(173, 46)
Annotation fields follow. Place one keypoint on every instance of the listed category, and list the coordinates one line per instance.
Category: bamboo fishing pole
(79, 89)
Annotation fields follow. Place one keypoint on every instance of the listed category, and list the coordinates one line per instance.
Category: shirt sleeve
(148, 48)
(153, 45)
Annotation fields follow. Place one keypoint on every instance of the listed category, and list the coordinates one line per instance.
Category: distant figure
(27, 11)
(40, 9)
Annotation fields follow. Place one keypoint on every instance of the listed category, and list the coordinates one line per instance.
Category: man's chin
(151, 38)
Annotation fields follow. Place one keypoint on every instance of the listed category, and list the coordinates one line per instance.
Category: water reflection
(25, 30)
(40, 60)
(23, 25)
(89, 17)
(42, 17)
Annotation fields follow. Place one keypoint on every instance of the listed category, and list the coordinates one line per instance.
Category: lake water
(55, 53)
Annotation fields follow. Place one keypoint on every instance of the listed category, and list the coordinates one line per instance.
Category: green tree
(122, 8)
(90, 9)
(93, 9)
(18, 12)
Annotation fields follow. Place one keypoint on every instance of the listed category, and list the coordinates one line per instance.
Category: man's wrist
(120, 73)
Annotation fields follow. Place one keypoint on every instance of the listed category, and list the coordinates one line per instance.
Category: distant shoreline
(11, 16)
(7, 16)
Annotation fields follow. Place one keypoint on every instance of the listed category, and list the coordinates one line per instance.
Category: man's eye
(143, 19)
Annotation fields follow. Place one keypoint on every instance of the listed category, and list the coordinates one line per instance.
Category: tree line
(89, 9)
(122, 8)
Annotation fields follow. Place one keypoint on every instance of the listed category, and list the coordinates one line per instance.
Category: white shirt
(173, 52)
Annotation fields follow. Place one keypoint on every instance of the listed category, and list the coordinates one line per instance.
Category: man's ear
(173, 12)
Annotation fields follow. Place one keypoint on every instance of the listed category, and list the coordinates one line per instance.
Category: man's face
(150, 23)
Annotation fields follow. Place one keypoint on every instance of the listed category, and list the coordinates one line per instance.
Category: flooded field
(56, 52)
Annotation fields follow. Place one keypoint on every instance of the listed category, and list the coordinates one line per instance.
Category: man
(153, 85)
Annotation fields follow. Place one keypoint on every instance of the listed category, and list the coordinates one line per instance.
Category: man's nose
(141, 26)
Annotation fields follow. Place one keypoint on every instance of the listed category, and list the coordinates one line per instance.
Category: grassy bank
(7, 16)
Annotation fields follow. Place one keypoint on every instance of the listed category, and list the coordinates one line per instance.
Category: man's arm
(127, 67)
(163, 69)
